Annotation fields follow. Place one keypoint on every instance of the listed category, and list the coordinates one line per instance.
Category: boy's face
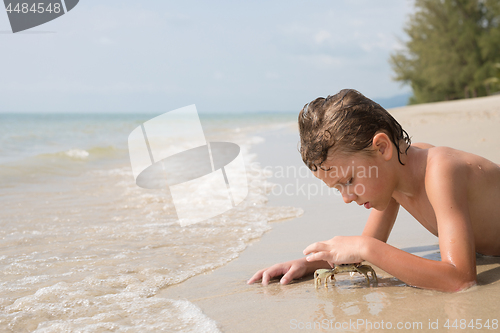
(359, 177)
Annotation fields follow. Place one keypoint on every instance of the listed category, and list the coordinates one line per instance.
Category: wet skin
(453, 194)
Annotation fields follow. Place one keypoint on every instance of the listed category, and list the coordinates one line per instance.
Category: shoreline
(224, 296)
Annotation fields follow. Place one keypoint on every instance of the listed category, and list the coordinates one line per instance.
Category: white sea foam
(83, 307)
(89, 252)
(77, 153)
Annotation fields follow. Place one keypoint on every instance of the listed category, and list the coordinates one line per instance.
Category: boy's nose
(348, 197)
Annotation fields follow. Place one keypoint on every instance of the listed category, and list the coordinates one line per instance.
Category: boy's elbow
(453, 280)
(461, 284)
(465, 285)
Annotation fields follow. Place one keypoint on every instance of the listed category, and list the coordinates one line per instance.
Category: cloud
(379, 41)
(193, 52)
(105, 41)
(76, 87)
(321, 61)
(322, 36)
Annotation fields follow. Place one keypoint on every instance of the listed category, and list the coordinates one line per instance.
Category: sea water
(84, 249)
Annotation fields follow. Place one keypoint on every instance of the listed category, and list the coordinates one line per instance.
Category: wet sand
(350, 306)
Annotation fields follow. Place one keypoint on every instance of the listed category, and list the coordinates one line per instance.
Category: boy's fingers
(288, 276)
(256, 276)
(323, 255)
(315, 247)
(267, 274)
(273, 272)
(266, 277)
(285, 279)
(311, 257)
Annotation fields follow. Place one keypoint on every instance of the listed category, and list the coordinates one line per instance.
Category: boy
(453, 194)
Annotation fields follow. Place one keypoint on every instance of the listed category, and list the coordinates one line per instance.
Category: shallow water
(84, 249)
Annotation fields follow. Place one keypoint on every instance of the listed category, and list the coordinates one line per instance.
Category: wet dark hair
(345, 122)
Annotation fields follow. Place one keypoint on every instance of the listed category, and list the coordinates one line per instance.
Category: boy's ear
(382, 145)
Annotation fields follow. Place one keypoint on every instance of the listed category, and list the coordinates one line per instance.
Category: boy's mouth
(367, 205)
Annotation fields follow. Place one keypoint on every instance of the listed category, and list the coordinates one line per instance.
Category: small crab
(353, 268)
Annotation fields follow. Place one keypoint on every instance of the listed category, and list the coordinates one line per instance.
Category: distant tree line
(453, 50)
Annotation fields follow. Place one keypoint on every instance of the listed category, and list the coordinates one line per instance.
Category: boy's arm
(446, 189)
(379, 224)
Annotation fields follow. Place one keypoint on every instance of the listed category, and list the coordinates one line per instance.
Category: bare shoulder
(450, 157)
(445, 164)
(422, 145)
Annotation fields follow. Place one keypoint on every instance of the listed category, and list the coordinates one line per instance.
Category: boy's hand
(290, 270)
(338, 250)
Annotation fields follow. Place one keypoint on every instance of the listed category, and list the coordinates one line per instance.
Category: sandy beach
(350, 306)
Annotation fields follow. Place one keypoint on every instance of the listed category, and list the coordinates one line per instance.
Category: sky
(224, 56)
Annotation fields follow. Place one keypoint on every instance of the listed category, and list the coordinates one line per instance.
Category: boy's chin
(378, 206)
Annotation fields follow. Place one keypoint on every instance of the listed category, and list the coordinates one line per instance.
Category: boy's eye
(349, 182)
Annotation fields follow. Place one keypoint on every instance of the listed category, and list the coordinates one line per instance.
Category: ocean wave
(83, 154)
(81, 307)
(72, 162)
(91, 252)
(77, 154)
